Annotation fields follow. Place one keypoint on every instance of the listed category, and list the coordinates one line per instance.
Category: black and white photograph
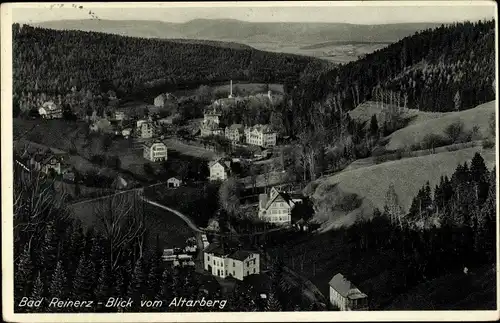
(249, 161)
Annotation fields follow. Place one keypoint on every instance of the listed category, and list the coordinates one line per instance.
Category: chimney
(231, 89)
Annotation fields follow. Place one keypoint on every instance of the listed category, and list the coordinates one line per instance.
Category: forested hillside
(53, 62)
(444, 69)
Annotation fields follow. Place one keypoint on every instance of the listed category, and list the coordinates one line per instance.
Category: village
(152, 135)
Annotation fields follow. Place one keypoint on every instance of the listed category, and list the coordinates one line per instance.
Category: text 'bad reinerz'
(118, 302)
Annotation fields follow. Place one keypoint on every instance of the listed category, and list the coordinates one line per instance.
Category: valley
(279, 166)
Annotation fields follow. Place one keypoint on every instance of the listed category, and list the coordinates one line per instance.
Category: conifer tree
(167, 290)
(37, 292)
(58, 286)
(24, 273)
(84, 279)
(154, 276)
(138, 280)
(48, 251)
(273, 305)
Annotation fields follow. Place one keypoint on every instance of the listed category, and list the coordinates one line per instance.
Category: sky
(346, 12)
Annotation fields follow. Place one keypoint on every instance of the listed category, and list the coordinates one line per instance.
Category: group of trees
(463, 205)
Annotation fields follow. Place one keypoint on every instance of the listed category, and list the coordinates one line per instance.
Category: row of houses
(257, 135)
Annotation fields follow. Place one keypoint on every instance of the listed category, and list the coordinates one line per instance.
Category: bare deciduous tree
(122, 218)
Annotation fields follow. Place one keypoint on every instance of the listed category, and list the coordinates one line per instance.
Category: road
(308, 288)
(179, 214)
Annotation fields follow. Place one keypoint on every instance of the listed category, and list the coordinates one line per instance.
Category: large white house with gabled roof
(277, 206)
(220, 169)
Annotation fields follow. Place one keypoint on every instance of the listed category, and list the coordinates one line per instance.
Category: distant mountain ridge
(245, 32)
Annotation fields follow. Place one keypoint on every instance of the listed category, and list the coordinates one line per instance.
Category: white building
(225, 263)
(235, 133)
(174, 182)
(346, 296)
(146, 129)
(219, 170)
(126, 132)
(260, 135)
(155, 151)
(277, 207)
(49, 110)
(119, 115)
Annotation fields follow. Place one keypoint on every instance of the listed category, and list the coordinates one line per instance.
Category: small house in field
(155, 151)
(173, 182)
(49, 110)
(346, 296)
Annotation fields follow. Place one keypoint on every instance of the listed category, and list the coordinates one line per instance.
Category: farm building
(174, 182)
(224, 263)
(346, 296)
(219, 169)
(155, 151)
(49, 110)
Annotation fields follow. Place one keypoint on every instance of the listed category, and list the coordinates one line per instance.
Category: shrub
(432, 141)
(454, 131)
(488, 144)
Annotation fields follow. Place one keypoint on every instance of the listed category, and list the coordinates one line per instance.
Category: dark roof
(150, 143)
(240, 254)
(345, 288)
(216, 249)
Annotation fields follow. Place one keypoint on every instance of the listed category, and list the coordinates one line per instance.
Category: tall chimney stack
(231, 93)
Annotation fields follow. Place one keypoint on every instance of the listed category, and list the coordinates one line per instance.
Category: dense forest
(448, 228)
(444, 69)
(53, 62)
(450, 68)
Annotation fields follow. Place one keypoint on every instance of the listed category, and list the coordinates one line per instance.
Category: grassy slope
(370, 183)
(169, 228)
(415, 132)
(423, 123)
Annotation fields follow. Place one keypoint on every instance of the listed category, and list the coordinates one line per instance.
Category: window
(254, 270)
(234, 264)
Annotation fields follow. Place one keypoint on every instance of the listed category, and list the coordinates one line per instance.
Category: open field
(345, 196)
(169, 228)
(480, 116)
(331, 51)
(190, 150)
